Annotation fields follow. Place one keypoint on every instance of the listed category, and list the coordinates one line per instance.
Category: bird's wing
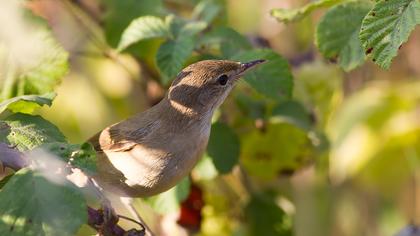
(121, 137)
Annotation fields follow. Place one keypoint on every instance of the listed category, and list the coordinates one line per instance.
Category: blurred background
(338, 158)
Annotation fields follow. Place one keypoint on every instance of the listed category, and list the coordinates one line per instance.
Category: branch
(12, 158)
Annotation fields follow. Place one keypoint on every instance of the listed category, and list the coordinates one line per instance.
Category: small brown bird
(150, 152)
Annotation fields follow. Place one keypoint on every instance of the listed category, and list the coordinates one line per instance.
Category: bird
(150, 152)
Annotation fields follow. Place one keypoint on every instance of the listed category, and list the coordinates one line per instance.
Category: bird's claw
(109, 215)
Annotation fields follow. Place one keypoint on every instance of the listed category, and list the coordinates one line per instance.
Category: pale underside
(139, 159)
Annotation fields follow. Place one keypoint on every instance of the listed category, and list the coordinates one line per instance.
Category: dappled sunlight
(352, 153)
(323, 139)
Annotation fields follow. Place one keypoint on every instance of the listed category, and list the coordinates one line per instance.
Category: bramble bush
(271, 126)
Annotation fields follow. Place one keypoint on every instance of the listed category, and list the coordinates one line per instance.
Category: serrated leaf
(172, 56)
(144, 27)
(223, 147)
(174, 24)
(226, 40)
(386, 27)
(192, 28)
(27, 103)
(27, 132)
(273, 78)
(82, 156)
(206, 11)
(334, 40)
(119, 14)
(168, 202)
(32, 205)
(178, 27)
(291, 15)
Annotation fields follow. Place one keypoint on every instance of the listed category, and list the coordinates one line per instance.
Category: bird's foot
(109, 215)
(110, 220)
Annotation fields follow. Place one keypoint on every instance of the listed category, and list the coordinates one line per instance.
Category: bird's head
(203, 86)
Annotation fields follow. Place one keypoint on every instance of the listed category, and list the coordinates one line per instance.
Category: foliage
(223, 147)
(338, 136)
(266, 218)
(335, 41)
(145, 27)
(49, 209)
(288, 16)
(168, 202)
(26, 103)
(273, 78)
(27, 132)
(385, 27)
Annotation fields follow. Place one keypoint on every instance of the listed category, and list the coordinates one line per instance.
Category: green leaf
(43, 77)
(266, 218)
(294, 113)
(41, 68)
(32, 205)
(179, 27)
(82, 156)
(281, 148)
(27, 103)
(206, 11)
(192, 28)
(27, 132)
(223, 147)
(273, 78)
(172, 56)
(226, 40)
(144, 27)
(252, 107)
(5, 180)
(119, 14)
(291, 15)
(169, 201)
(334, 40)
(386, 27)
(174, 24)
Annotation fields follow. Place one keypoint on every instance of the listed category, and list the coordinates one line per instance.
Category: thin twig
(129, 219)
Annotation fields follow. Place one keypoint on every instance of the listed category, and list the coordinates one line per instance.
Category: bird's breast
(152, 167)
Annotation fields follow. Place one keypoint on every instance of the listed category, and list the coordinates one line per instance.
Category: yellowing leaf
(290, 15)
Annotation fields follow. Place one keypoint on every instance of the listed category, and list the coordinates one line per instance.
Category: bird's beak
(248, 65)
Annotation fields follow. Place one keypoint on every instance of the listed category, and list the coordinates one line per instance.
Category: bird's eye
(222, 80)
